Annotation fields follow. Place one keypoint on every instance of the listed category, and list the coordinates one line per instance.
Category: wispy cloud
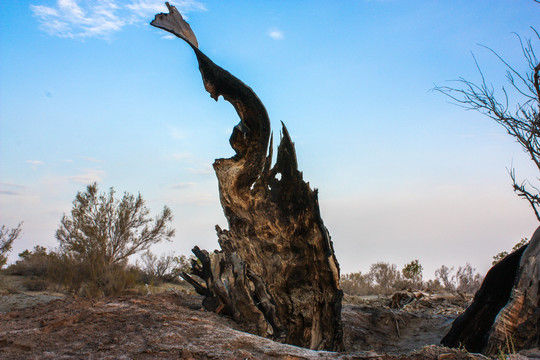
(17, 186)
(88, 176)
(91, 159)
(182, 185)
(11, 189)
(10, 193)
(102, 18)
(202, 170)
(35, 163)
(276, 34)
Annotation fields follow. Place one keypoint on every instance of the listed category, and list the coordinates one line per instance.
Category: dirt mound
(171, 326)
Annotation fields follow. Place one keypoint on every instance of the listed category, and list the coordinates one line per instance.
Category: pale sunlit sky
(90, 92)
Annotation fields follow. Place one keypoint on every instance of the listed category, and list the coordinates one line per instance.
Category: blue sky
(90, 92)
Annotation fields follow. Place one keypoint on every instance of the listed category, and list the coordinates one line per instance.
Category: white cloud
(276, 34)
(40, 10)
(101, 18)
(89, 176)
(35, 163)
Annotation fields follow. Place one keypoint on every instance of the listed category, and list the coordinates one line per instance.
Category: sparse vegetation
(96, 241)
(7, 237)
(413, 272)
(383, 279)
(165, 268)
(503, 254)
(36, 262)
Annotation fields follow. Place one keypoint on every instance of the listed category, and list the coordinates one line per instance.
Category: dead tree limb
(523, 123)
(277, 272)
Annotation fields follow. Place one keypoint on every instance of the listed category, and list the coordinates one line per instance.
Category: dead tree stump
(505, 312)
(276, 272)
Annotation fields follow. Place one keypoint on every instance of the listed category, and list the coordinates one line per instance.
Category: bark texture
(276, 272)
(505, 312)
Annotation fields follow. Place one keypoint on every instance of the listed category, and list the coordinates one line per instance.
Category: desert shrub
(385, 277)
(503, 254)
(412, 272)
(98, 237)
(7, 237)
(434, 286)
(444, 276)
(466, 280)
(33, 263)
(35, 284)
(157, 269)
(167, 267)
(92, 278)
(356, 284)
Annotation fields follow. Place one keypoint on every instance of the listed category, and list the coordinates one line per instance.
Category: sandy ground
(171, 325)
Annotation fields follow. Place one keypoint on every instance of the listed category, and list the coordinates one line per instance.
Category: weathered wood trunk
(505, 312)
(277, 272)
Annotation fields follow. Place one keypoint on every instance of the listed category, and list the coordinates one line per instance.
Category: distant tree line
(101, 233)
(384, 278)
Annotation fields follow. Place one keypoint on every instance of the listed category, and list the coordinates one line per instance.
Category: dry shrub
(384, 279)
(35, 284)
(7, 237)
(356, 284)
(165, 268)
(99, 236)
(32, 263)
(89, 277)
(94, 277)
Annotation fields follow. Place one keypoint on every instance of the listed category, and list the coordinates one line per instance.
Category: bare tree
(112, 230)
(520, 118)
(384, 276)
(7, 237)
(466, 280)
(443, 274)
(158, 267)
